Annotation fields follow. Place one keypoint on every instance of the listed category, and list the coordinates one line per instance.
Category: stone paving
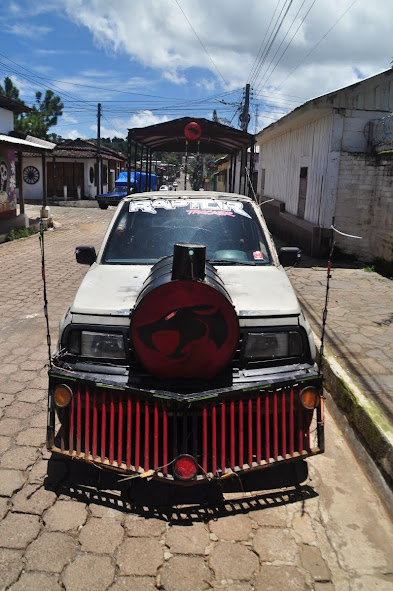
(359, 323)
(67, 526)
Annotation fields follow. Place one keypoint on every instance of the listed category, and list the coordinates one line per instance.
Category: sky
(149, 61)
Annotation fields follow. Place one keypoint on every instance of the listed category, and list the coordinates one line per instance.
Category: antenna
(48, 339)
(329, 276)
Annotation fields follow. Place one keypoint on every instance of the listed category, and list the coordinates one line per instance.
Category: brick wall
(364, 205)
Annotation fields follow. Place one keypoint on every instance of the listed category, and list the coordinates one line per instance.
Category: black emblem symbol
(190, 325)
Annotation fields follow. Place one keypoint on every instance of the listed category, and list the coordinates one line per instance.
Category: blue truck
(138, 185)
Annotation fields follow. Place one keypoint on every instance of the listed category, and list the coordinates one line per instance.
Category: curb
(367, 429)
(80, 203)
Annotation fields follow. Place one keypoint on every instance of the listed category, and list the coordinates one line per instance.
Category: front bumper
(254, 423)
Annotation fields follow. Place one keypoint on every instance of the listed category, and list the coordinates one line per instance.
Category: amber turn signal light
(309, 397)
(62, 395)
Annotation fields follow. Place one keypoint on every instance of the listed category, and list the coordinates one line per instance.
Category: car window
(146, 231)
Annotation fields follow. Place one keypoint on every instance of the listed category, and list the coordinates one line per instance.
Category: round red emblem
(193, 131)
(184, 329)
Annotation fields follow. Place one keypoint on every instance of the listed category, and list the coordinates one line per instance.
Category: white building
(321, 164)
(71, 171)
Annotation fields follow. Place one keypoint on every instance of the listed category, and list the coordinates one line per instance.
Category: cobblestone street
(68, 526)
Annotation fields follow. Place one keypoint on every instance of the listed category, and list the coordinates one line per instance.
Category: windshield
(146, 231)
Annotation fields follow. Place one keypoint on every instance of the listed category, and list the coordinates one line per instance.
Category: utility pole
(99, 188)
(245, 115)
(256, 119)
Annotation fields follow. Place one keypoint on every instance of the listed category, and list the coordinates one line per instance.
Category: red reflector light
(185, 468)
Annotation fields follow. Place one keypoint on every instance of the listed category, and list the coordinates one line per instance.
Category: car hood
(111, 290)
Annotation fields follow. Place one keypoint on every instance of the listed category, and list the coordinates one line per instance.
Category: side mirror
(85, 255)
(289, 255)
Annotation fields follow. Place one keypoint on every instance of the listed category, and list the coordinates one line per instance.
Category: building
(330, 161)
(12, 148)
(72, 171)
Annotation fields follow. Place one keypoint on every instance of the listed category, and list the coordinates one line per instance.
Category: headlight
(96, 344)
(103, 345)
(273, 345)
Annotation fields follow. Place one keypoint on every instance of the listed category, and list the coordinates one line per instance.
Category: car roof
(179, 194)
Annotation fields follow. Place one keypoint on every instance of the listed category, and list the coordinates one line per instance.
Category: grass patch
(17, 233)
(369, 269)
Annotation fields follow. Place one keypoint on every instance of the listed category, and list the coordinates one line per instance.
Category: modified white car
(185, 355)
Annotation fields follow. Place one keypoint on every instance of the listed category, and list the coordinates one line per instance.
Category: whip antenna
(329, 275)
(48, 339)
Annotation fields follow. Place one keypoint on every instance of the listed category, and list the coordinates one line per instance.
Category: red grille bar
(87, 423)
(291, 424)
(155, 463)
(283, 425)
(258, 435)
(128, 452)
(146, 459)
(241, 442)
(78, 422)
(250, 431)
(275, 427)
(103, 426)
(121, 430)
(214, 438)
(232, 407)
(111, 429)
(95, 422)
(204, 435)
(267, 430)
(137, 433)
(223, 437)
(165, 440)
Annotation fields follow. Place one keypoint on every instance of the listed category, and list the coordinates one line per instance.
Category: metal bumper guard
(142, 432)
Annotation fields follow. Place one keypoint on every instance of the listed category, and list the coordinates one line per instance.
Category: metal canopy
(169, 136)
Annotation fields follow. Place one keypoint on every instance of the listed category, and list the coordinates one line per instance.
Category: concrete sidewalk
(358, 363)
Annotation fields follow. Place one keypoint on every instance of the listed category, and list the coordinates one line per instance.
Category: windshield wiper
(230, 262)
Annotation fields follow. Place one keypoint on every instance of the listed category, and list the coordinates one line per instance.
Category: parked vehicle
(120, 191)
(185, 355)
(164, 188)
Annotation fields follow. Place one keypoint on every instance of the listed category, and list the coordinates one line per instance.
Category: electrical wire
(250, 76)
(197, 36)
(316, 45)
(267, 76)
(271, 39)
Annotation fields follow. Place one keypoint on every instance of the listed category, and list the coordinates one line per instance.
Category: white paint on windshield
(203, 206)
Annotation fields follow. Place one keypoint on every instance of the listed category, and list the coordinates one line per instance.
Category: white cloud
(73, 134)
(158, 36)
(119, 127)
(206, 84)
(68, 118)
(174, 77)
(31, 32)
(155, 51)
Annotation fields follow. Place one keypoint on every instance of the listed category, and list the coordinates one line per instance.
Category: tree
(218, 119)
(10, 90)
(43, 115)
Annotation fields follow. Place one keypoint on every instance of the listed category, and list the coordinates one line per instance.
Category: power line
(262, 61)
(250, 76)
(264, 80)
(197, 36)
(316, 45)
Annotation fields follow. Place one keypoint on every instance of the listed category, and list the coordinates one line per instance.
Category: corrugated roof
(24, 145)
(169, 136)
(12, 105)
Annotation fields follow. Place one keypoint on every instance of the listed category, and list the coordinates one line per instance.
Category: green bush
(20, 233)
